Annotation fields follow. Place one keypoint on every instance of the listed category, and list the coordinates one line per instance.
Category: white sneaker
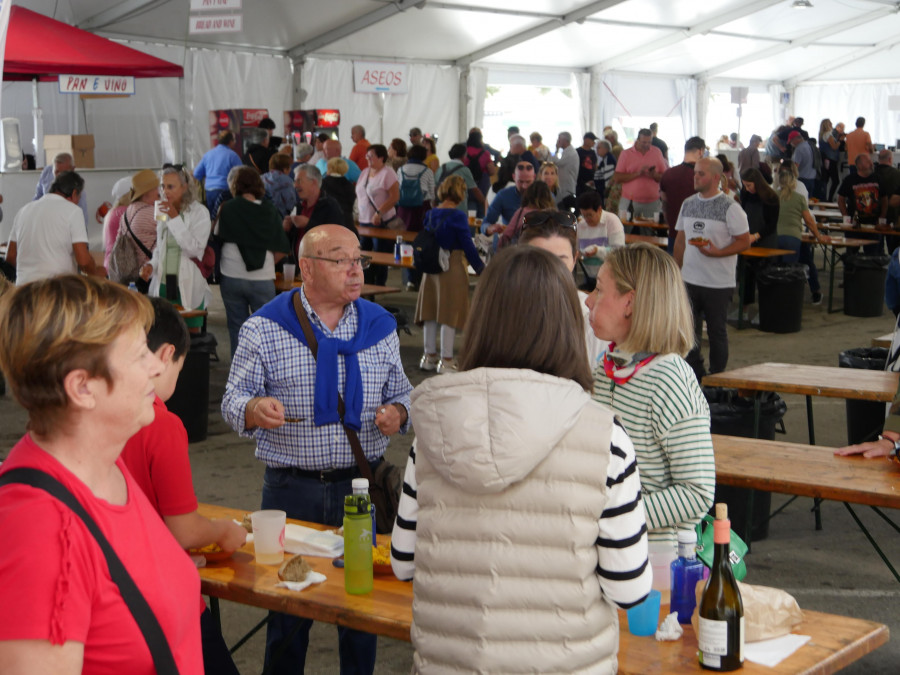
(429, 362)
(446, 366)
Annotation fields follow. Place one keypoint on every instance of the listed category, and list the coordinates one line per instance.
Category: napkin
(773, 651)
(307, 541)
(669, 629)
(311, 578)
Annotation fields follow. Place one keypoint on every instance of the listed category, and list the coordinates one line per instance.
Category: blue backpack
(411, 194)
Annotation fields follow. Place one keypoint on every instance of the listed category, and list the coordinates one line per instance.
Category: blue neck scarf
(374, 324)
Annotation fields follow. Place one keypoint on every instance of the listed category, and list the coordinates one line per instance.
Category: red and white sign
(328, 118)
(96, 84)
(371, 77)
(253, 116)
(206, 5)
(201, 24)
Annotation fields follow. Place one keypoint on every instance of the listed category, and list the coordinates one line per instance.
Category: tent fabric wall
(432, 104)
(630, 95)
(845, 101)
(478, 77)
(687, 91)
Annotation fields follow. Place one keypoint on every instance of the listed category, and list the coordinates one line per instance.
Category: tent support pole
(38, 117)
(464, 102)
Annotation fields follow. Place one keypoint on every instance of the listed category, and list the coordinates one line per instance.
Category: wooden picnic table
(387, 610)
(662, 242)
(883, 340)
(832, 256)
(369, 291)
(384, 258)
(645, 223)
(809, 381)
(386, 233)
(809, 471)
(840, 227)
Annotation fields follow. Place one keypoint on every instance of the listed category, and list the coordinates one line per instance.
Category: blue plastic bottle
(397, 246)
(687, 570)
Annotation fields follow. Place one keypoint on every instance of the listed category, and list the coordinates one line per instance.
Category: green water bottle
(357, 543)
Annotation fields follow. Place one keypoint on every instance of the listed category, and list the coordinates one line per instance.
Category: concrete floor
(833, 570)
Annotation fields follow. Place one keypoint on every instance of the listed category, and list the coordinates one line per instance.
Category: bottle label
(713, 638)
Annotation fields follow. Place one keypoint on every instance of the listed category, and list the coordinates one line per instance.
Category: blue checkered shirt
(269, 361)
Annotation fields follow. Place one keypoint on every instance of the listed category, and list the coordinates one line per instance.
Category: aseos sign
(371, 77)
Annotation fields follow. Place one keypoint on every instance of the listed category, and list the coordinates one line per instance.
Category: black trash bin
(191, 398)
(781, 297)
(732, 415)
(865, 419)
(864, 277)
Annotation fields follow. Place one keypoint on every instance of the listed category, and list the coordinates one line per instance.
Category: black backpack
(426, 250)
(472, 161)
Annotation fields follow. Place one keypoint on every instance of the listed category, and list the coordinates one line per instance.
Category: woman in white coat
(182, 236)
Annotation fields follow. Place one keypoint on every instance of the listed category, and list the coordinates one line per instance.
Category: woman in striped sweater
(640, 305)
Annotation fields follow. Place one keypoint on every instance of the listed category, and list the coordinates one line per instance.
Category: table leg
(873, 542)
(831, 279)
(253, 631)
(810, 424)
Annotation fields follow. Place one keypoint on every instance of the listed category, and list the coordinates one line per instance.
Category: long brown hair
(765, 192)
(526, 314)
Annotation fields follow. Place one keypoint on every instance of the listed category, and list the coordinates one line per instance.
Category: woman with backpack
(444, 297)
(478, 159)
(416, 197)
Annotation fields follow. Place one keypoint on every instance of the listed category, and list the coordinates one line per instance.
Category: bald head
(886, 157)
(329, 263)
(707, 174)
(63, 162)
(332, 148)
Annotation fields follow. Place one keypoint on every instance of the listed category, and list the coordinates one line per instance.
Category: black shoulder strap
(352, 436)
(143, 615)
(137, 241)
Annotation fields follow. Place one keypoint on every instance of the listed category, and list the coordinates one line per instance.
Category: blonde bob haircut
(661, 320)
(452, 189)
(526, 314)
(51, 327)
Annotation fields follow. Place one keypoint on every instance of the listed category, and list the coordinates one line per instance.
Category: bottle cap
(359, 484)
(687, 537)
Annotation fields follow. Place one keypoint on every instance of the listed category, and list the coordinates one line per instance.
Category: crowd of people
(572, 416)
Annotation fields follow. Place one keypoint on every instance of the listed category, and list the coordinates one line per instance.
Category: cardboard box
(80, 146)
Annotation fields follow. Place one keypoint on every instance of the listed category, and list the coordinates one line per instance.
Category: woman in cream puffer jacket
(521, 514)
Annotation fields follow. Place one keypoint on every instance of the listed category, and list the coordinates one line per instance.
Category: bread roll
(294, 569)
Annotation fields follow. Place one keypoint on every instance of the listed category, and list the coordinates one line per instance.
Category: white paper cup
(847, 220)
(882, 222)
(290, 271)
(268, 536)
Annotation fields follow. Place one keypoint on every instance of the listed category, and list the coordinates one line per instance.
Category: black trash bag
(781, 273)
(865, 419)
(862, 261)
(864, 277)
(190, 400)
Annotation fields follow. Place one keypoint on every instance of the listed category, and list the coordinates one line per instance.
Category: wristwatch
(895, 451)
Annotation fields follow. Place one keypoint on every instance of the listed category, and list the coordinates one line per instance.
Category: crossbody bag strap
(137, 241)
(143, 615)
(352, 436)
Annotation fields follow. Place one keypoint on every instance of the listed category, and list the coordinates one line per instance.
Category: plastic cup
(290, 271)
(623, 216)
(661, 555)
(268, 536)
(846, 220)
(882, 222)
(472, 217)
(644, 618)
(406, 254)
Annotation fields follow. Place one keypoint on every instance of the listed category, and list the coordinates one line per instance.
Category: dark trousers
(310, 499)
(803, 255)
(216, 657)
(710, 304)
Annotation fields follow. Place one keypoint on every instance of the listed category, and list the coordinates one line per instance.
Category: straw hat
(141, 183)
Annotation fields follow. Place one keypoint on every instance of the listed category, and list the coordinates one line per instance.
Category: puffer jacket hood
(488, 428)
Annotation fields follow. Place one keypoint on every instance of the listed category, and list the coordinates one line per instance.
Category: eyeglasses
(526, 166)
(345, 263)
(564, 219)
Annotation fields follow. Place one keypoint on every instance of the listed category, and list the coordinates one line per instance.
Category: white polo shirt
(44, 232)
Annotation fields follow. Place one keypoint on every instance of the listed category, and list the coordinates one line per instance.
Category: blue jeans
(241, 298)
(211, 197)
(318, 502)
(802, 254)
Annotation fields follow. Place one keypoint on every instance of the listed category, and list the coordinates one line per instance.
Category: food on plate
(381, 554)
(212, 553)
(699, 241)
(294, 569)
(209, 548)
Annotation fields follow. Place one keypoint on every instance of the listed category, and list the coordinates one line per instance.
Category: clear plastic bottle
(360, 486)
(397, 246)
(720, 638)
(132, 286)
(358, 535)
(687, 570)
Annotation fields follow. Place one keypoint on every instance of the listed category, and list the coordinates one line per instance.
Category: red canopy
(38, 46)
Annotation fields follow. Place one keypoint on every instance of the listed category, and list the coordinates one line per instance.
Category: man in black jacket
(316, 208)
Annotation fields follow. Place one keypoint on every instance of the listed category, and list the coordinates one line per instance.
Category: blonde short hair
(337, 165)
(452, 189)
(51, 327)
(661, 320)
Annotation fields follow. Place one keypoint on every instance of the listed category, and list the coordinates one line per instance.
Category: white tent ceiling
(765, 40)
